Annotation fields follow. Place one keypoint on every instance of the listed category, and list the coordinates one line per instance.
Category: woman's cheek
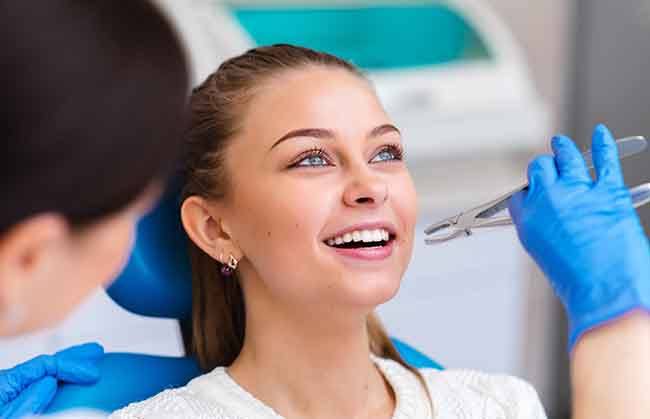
(406, 209)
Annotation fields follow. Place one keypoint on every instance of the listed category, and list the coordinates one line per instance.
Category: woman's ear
(25, 252)
(205, 228)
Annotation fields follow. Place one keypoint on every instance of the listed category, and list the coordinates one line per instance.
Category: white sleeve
(480, 395)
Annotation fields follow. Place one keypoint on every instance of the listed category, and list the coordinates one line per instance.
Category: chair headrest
(156, 280)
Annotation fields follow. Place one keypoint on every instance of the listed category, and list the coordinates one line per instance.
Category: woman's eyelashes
(314, 157)
(318, 157)
(388, 152)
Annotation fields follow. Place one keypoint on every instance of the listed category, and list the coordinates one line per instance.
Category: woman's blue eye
(311, 161)
(387, 154)
(317, 157)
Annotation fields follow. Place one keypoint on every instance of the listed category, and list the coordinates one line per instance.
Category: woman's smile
(372, 241)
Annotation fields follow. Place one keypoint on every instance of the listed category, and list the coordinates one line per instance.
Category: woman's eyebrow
(306, 132)
(321, 133)
(383, 129)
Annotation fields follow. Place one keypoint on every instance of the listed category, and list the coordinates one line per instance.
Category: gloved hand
(28, 388)
(585, 235)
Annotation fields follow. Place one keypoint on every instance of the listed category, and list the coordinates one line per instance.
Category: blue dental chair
(156, 282)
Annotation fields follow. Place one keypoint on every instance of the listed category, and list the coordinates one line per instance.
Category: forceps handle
(640, 196)
(627, 146)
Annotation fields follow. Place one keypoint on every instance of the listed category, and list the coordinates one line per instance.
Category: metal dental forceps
(486, 215)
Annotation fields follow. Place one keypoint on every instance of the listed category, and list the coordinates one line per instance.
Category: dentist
(93, 104)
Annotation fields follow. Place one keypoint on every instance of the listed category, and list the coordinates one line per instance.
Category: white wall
(545, 31)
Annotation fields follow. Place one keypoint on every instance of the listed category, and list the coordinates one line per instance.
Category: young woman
(94, 95)
(301, 213)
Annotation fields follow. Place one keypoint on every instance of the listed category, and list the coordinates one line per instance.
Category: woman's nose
(365, 189)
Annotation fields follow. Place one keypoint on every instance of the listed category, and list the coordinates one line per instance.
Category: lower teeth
(362, 245)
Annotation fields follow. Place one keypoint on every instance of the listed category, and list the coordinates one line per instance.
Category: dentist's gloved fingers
(570, 164)
(75, 365)
(605, 156)
(79, 364)
(13, 381)
(585, 238)
(515, 206)
(34, 400)
(542, 172)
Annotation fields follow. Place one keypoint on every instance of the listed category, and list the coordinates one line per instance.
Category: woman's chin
(372, 290)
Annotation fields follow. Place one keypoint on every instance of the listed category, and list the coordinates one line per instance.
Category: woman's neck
(302, 367)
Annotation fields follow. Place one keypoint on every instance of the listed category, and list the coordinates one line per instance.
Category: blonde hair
(219, 319)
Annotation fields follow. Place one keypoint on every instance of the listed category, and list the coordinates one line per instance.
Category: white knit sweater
(455, 394)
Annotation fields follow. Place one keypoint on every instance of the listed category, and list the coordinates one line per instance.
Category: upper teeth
(360, 236)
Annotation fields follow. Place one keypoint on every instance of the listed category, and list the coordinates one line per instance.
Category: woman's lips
(374, 253)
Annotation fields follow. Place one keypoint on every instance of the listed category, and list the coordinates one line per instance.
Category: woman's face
(317, 186)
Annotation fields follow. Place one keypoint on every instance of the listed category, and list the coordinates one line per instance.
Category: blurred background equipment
(478, 87)
(604, 90)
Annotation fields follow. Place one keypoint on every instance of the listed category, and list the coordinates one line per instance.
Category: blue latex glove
(28, 388)
(585, 235)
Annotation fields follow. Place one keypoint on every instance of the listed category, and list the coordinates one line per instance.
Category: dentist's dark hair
(93, 98)
(217, 109)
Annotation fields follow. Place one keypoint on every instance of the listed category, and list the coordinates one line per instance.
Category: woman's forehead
(333, 99)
